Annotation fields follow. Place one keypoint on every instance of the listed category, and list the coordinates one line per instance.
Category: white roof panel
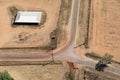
(28, 17)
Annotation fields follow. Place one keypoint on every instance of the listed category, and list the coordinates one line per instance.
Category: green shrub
(5, 76)
(70, 75)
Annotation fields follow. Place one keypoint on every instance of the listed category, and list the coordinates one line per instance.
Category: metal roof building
(28, 17)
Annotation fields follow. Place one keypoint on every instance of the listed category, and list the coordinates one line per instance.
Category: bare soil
(47, 70)
(86, 73)
(36, 38)
(36, 72)
(102, 30)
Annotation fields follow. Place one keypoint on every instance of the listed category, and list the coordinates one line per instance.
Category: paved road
(68, 54)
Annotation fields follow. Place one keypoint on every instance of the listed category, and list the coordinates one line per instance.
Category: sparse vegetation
(83, 24)
(65, 10)
(63, 20)
(35, 70)
(44, 18)
(13, 11)
(43, 63)
(70, 75)
(53, 39)
(91, 75)
(102, 64)
(5, 76)
(107, 59)
(87, 73)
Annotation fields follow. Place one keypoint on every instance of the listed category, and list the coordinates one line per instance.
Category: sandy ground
(105, 37)
(36, 36)
(36, 72)
(104, 30)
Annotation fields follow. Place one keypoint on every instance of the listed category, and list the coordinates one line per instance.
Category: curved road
(68, 54)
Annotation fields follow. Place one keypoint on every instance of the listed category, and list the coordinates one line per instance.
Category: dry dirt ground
(99, 29)
(36, 72)
(36, 37)
(86, 73)
(47, 70)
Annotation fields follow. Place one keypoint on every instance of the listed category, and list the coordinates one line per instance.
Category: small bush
(5, 76)
(70, 75)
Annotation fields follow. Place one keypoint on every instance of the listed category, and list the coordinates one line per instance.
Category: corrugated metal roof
(28, 17)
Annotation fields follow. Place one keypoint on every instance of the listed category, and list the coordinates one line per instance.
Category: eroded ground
(101, 34)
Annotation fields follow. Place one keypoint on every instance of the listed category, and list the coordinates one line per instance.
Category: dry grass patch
(36, 72)
(98, 27)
